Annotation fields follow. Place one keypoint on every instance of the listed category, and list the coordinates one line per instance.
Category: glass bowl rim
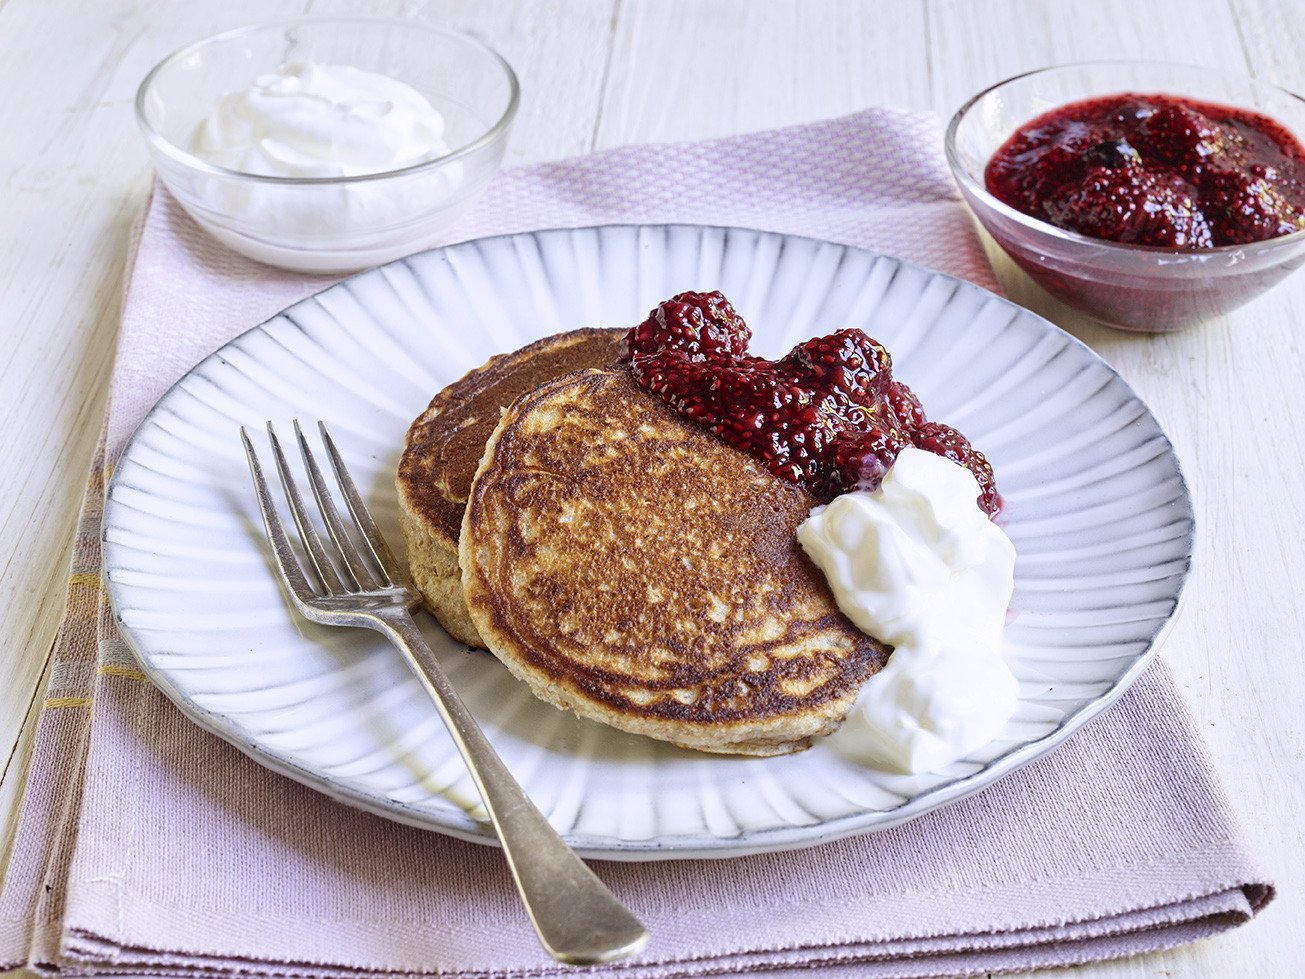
(170, 149)
(979, 191)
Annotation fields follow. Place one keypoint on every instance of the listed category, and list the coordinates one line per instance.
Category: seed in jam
(828, 416)
(1155, 170)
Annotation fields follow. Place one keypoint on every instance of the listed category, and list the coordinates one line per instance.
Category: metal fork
(577, 918)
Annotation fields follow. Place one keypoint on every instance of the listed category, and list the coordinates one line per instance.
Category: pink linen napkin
(147, 846)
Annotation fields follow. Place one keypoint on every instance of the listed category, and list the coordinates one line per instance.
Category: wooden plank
(1270, 32)
(684, 70)
(975, 44)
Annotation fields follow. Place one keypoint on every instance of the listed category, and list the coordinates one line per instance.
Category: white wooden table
(599, 73)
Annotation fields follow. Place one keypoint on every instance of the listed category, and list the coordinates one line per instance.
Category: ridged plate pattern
(1095, 504)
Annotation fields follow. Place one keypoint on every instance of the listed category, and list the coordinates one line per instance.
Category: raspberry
(700, 324)
(1037, 160)
(847, 362)
(863, 460)
(1179, 135)
(1243, 208)
(906, 406)
(1133, 206)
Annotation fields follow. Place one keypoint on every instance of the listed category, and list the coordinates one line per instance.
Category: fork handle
(576, 917)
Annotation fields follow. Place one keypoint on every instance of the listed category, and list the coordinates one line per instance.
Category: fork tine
(354, 561)
(371, 534)
(292, 573)
(307, 532)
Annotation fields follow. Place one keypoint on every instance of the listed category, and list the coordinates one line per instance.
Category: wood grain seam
(927, 21)
(37, 688)
(1241, 39)
(607, 73)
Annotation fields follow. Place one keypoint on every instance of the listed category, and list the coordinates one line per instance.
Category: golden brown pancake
(631, 567)
(444, 446)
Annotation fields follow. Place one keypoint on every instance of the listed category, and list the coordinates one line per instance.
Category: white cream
(918, 565)
(326, 121)
(310, 120)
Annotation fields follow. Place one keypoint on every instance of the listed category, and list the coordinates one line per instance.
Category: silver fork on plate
(577, 918)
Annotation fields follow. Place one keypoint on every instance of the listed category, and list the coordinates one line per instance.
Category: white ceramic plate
(1095, 504)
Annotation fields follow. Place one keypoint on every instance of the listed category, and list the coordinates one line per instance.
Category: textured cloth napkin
(146, 846)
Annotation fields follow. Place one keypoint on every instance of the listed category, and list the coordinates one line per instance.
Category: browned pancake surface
(444, 446)
(632, 567)
(445, 443)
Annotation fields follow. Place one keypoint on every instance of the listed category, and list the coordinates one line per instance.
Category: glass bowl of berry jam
(1150, 196)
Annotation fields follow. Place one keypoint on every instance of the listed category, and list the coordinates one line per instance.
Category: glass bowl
(332, 224)
(1133, 287)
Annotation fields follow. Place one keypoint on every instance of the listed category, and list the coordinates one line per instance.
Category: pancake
(444, 445)
(631, 567)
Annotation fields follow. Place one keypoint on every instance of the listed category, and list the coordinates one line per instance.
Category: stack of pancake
(621, 561)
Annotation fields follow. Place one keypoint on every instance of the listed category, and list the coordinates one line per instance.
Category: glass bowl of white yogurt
(329, 145)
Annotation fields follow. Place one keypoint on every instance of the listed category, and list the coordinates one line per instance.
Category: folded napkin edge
(107, 924)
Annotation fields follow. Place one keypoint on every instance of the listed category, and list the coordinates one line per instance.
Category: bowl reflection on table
(332, 224)
(1133, 287)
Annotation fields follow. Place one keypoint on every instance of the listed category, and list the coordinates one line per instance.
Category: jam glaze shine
(828, 416)
(1155, 170)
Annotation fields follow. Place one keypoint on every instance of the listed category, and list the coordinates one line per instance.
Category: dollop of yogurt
(311, 120)
(326, 121)
(916, 564)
